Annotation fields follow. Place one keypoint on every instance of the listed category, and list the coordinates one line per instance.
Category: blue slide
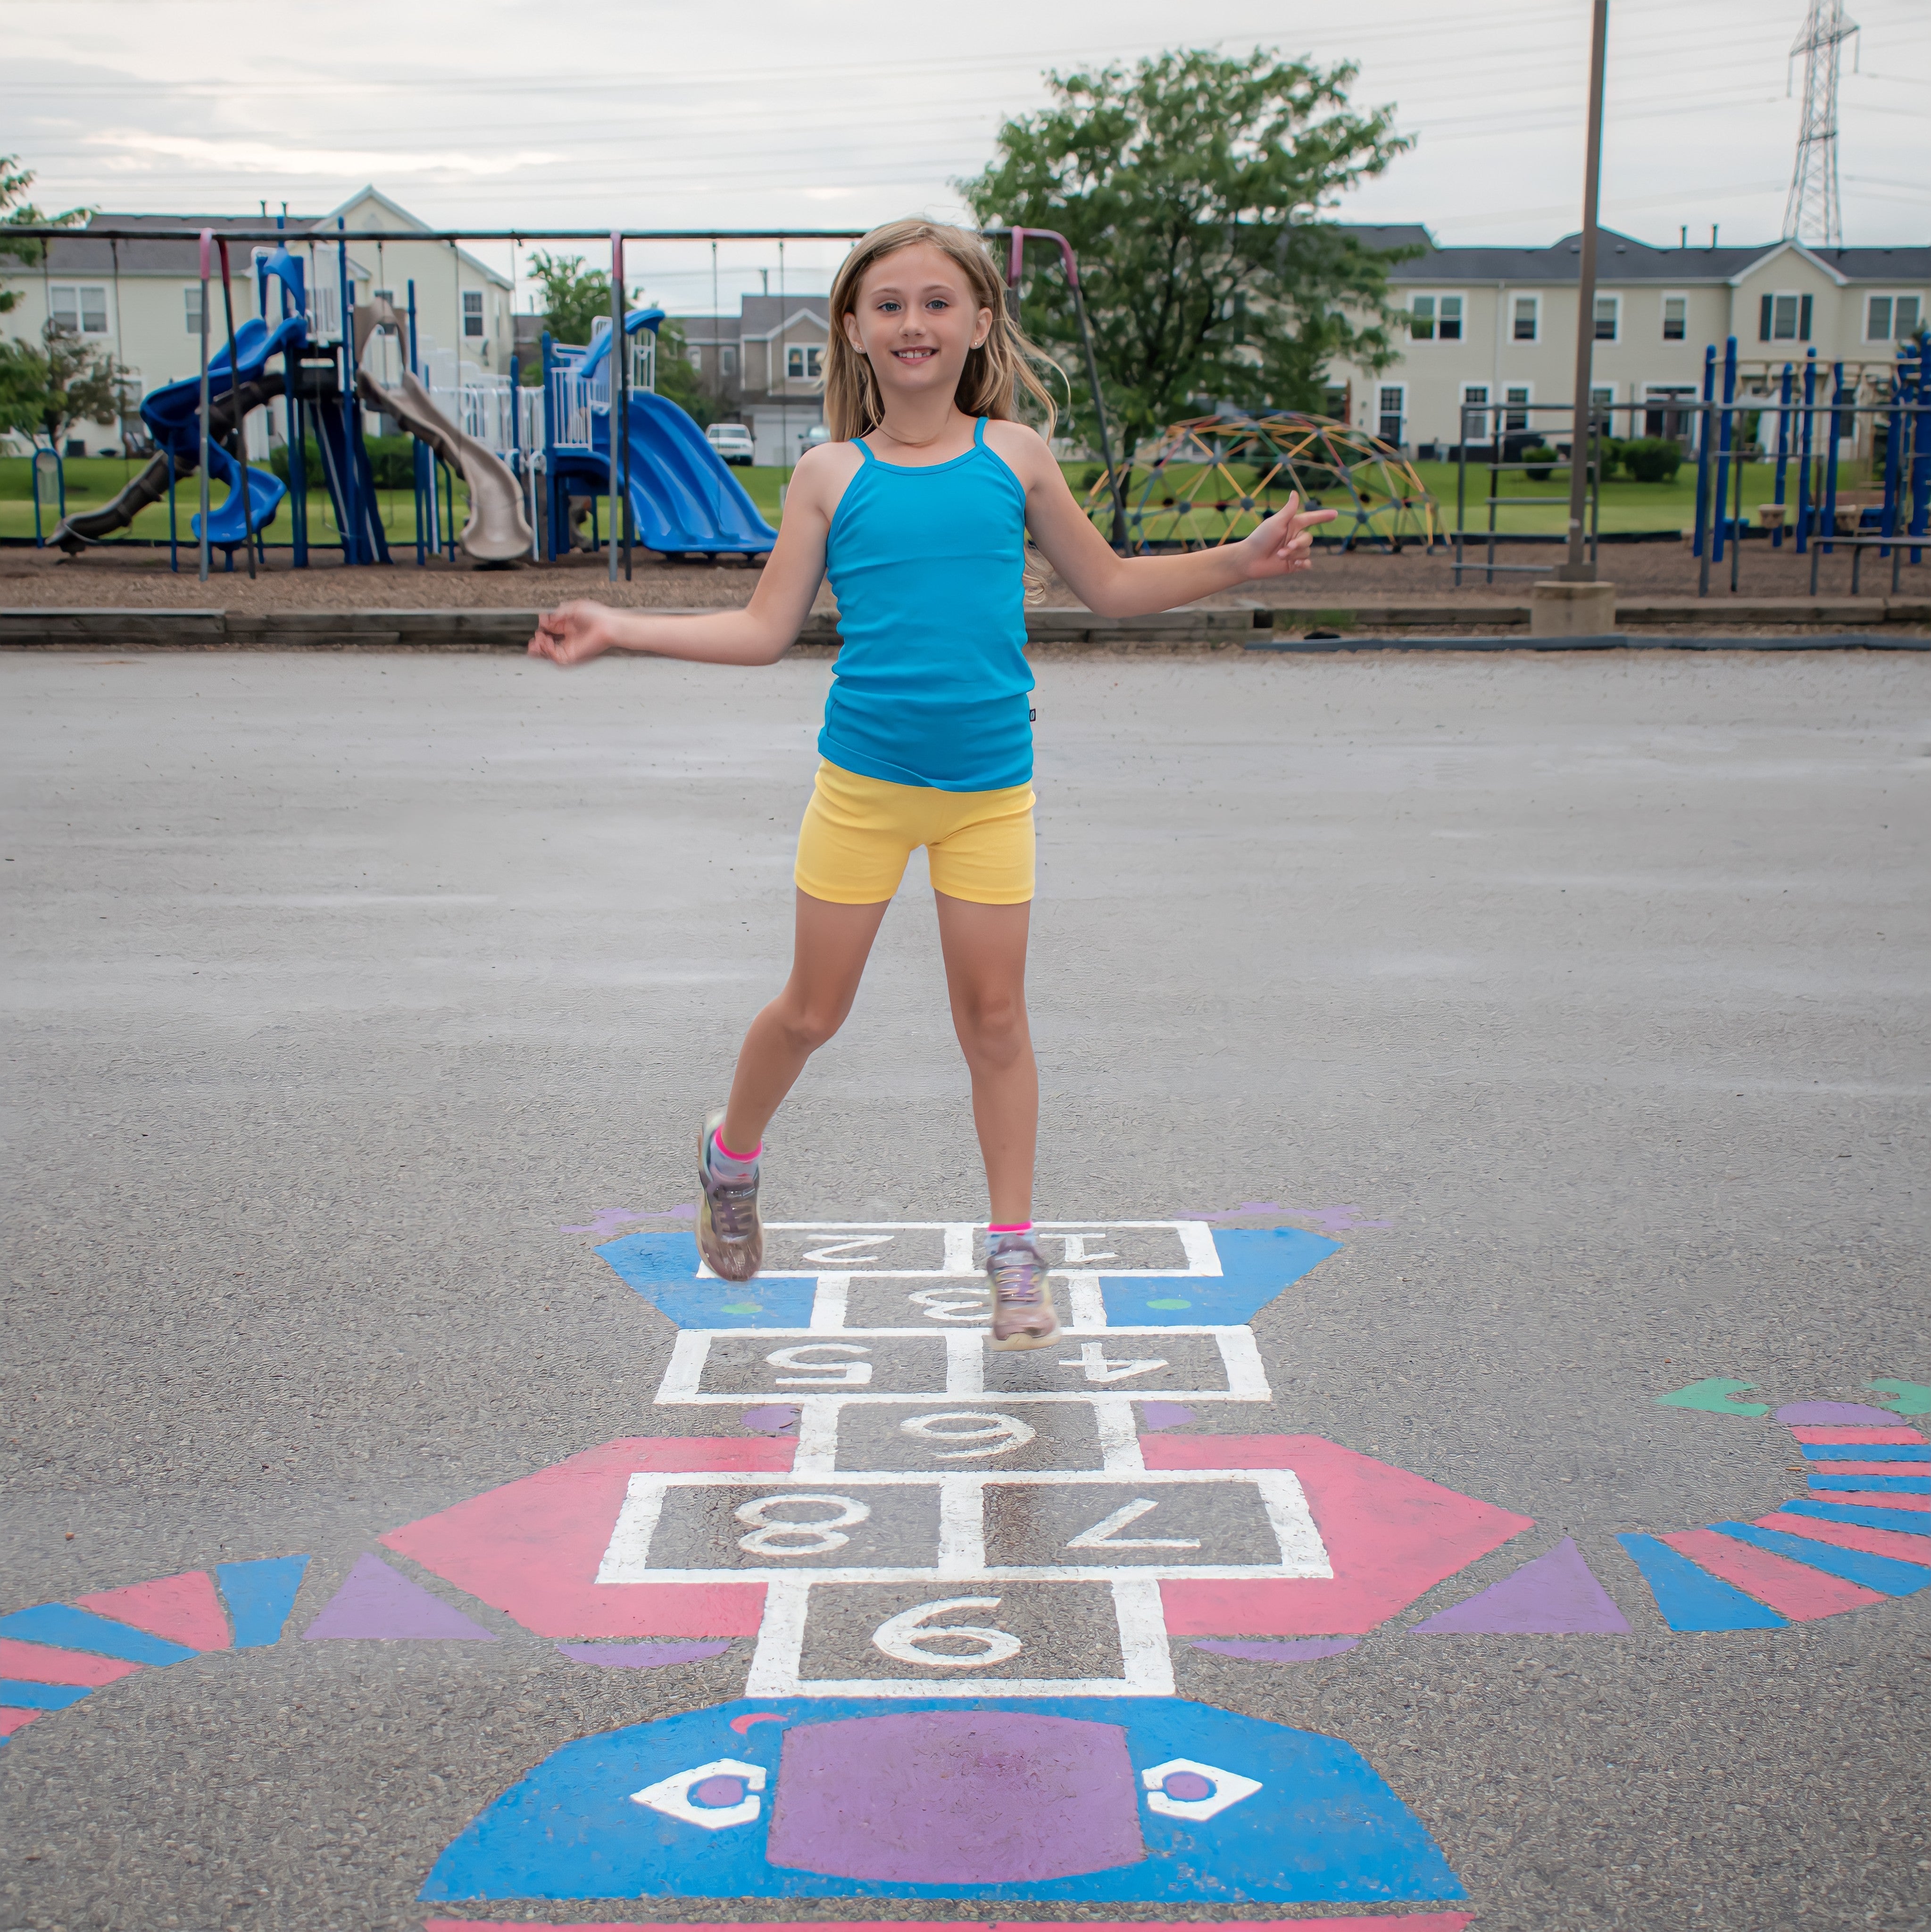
(173, 414)
(682, 494)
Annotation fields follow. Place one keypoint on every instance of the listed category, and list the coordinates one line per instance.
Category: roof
(759, 319)
(1622, 258)
(407, 221)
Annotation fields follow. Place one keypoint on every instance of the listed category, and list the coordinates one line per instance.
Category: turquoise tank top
(932, 683)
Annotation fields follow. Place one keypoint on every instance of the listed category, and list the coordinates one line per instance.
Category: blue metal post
(174, 546)
(1806, 438)
(1703, 429)
(1782, 446)
(549, 444)
(1831, 458)
(1723, 421)
(1920, 454)
(351, 481)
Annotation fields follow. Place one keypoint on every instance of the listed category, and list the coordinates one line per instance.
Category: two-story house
(764, 367)
(1492, 332)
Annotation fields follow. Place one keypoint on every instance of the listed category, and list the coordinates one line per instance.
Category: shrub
(1541, 458)
(1652, 459)
(391, 462)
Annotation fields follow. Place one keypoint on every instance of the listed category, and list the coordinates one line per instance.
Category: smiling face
(916, 320)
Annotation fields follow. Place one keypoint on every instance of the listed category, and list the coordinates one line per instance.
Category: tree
(16, 213)
(46, 390)
(572, 298)
(1196, 191)
(677, 379)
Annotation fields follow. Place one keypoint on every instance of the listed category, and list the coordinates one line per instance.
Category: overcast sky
(818, 113)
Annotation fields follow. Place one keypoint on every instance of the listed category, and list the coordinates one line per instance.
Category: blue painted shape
(1854, 1566)
(1690, 1598)
(260, 1595)
(1909, 1486)
(61, 1623)
(1908, 1522)
(1865, 1452)
(1256, 1265)
(1323, 1826)
(663, 1268)
(24, 1697)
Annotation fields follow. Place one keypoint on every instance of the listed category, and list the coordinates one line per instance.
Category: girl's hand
(574, 633)
(1285, 543)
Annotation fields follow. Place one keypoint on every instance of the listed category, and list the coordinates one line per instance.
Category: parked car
(732, 442)
(818, 434)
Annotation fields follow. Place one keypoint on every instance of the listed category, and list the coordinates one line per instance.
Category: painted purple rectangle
(1824, 1415)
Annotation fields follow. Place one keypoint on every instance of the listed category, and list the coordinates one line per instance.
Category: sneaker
(730, 1237)
(1022, 1298)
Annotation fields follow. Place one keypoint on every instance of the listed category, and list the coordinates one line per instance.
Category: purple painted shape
(1854, 1414)
(642, 1656)
(1165, 1414)
(718, 1791)
(955, 1798)
(1552, 1595)
(1189, 1786)
(606, 1221)
(776, 1419)
(1295, 1650)
(375, 1602)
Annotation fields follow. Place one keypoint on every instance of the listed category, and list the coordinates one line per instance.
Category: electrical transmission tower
(1814, 212)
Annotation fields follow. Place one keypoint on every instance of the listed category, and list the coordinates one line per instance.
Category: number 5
(901, 1637)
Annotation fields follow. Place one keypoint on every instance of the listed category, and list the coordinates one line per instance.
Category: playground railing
(1494, 426)
(573, 402)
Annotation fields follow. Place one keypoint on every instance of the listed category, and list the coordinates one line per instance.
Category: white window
(1518, 396)
(695, 357)
(473, 312)
(1609, 318)
(191, 304)
(1602, 406)
(804, 364)
(80, 309)
(1433, 317)
(1392, 414)
(1892, 318)
(1528, 318)
(728, 360)
(1474, 412)
(1783, 318)
(1675, 318)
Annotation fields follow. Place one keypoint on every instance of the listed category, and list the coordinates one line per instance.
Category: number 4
(1100, 1367)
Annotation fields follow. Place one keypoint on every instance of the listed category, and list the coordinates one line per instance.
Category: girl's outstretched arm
(759, 633)
(1131, 586)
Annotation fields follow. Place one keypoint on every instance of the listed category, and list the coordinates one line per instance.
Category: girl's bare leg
(985, 948)
(829, 948)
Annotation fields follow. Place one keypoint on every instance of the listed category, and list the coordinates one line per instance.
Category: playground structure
(1213, 480)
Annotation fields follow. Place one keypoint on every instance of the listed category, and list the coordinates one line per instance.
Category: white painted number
(822, 1374)
(825, 1533)
(901, 1637)
(1103, 1535)
(962, 1304)
(999, 1433)
(831, 1251)
(1101, 1367)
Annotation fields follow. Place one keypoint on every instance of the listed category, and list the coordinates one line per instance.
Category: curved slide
(683, 497)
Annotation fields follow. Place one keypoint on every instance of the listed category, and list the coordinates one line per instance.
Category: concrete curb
(1416, 625)
(1613, 640)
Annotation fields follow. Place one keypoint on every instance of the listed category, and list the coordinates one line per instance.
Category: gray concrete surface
(338, 986)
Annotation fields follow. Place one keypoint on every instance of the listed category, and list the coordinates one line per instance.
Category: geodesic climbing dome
(1214, 479)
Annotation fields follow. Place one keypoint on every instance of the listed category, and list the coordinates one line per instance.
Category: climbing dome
(1214, 479)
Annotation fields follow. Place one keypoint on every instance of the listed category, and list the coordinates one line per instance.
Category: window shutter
(1803, 320)
(1763, 316)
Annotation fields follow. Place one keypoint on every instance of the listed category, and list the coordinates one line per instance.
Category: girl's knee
(992, 1026)
(808, 1027)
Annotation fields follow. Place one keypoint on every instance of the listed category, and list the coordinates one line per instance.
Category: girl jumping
(919, 511)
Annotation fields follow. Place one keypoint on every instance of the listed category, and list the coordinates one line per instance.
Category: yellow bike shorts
(859, 832)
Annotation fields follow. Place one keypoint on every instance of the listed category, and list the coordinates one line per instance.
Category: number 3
(901, 1637)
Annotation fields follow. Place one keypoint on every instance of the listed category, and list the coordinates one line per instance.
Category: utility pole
(1814, 213)
(1578, 568)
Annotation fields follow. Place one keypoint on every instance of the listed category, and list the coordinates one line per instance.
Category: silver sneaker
(730, 1237)
(1023, 1316)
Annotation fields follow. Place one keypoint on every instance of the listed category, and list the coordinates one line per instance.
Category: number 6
(901, 1637)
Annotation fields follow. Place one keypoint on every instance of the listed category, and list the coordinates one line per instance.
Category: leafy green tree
(573, 297)
(16, 212)
(677, 379)
(46, 390)
(1197, 191)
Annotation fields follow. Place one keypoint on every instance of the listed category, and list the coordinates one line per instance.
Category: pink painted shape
(532, 1547)
(1405, 1921)
(1555, 1593)
(1814, 1433)
(1854, 1536)
(1391, 1537)
(1788, 1588)
(12, 1720)
(1871, 1498)
(184, 1609)
(41, 1664)
(1867, 1468)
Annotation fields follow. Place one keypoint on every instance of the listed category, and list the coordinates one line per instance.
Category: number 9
(1000, 1434)
(901, 1637)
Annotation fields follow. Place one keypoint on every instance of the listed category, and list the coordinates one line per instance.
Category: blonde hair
(994, 372)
